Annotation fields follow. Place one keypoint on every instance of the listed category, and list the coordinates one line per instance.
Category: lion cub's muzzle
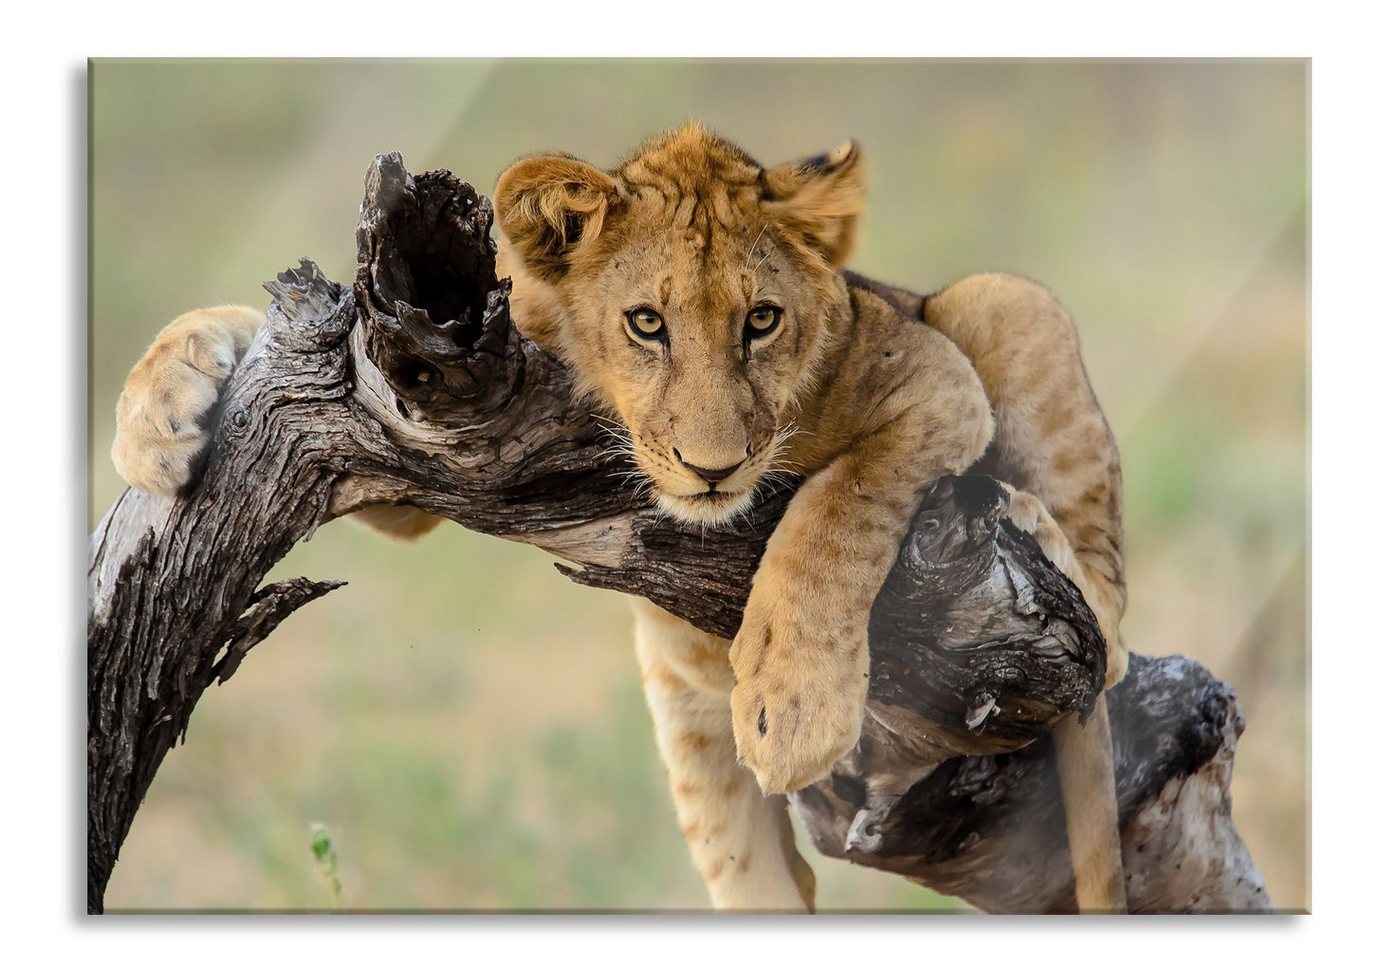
(713, 475)
(707, 487)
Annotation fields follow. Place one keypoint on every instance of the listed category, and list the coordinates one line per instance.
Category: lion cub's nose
(711, 476)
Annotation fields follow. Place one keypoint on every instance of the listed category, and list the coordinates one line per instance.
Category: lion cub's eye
(762, 320)
(646, 323)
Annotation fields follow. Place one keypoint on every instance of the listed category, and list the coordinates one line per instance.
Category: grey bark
(413, 387)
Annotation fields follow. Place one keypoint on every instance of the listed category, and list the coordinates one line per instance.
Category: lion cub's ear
(822, 197)
(549, 205)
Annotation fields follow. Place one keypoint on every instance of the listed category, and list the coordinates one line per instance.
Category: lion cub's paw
(797, 704)
(1030, 515)
(164, 407)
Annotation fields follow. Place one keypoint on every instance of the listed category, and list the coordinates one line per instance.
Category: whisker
(607, 420)
(628, 477)
(754, 246)
(613, 428)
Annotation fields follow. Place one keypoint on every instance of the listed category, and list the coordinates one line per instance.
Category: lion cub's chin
(706, 509)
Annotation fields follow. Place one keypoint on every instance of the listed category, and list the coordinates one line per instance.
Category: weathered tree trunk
(415, 388)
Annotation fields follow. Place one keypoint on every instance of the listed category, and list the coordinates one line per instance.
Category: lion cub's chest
(682, 656)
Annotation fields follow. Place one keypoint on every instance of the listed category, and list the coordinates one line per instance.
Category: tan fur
(1052, 440)
(1084, 754)
(740, 839)
(160, 415)
(851, 390)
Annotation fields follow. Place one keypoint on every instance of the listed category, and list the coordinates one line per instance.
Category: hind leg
(1052, 438)
(1084, 761)
(1084, 754)
(1054, 442)
(740, 840)
(1030, 514)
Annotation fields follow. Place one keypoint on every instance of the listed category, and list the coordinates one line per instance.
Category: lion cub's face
(690, 290)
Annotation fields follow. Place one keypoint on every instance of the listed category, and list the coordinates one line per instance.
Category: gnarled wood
(414, 388)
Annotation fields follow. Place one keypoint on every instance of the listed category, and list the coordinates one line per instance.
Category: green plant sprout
(323, 850)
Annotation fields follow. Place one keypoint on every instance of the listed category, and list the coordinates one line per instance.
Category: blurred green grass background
(470, 725)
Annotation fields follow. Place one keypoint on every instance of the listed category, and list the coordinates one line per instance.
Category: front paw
(163, 412)
(797, 704)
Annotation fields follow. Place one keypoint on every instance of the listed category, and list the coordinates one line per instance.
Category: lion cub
(700, 298)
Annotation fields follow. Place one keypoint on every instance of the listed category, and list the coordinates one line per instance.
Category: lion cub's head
(691, 290)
